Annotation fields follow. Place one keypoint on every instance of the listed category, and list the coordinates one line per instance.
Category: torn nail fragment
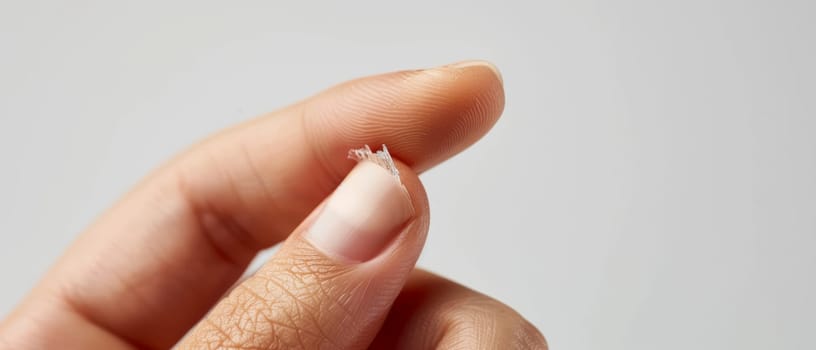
(381, 158)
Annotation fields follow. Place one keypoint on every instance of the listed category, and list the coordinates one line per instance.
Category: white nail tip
(381, 158)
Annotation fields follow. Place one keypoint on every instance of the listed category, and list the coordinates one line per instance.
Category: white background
(652, 183)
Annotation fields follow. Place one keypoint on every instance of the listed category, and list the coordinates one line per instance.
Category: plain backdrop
(652, 183)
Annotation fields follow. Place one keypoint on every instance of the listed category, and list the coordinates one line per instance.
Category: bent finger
(432, 312)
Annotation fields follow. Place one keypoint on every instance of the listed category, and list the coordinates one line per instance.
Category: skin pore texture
(160, 268)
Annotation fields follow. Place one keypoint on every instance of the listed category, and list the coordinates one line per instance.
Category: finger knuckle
(288, 302)
(290, 312)
(272, 311)
(482, 320)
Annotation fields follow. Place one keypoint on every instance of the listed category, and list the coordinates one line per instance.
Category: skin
(160, 268)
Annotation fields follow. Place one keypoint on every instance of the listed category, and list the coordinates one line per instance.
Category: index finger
(154, 264)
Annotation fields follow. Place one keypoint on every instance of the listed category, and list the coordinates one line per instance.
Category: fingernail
(480, 63)
(363, 214)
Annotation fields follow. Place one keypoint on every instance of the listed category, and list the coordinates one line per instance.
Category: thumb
(333, 281)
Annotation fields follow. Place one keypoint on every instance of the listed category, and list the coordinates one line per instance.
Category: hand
(159, 264)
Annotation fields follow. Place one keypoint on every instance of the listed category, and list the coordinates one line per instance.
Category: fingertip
(480, 64)
(424, 116)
